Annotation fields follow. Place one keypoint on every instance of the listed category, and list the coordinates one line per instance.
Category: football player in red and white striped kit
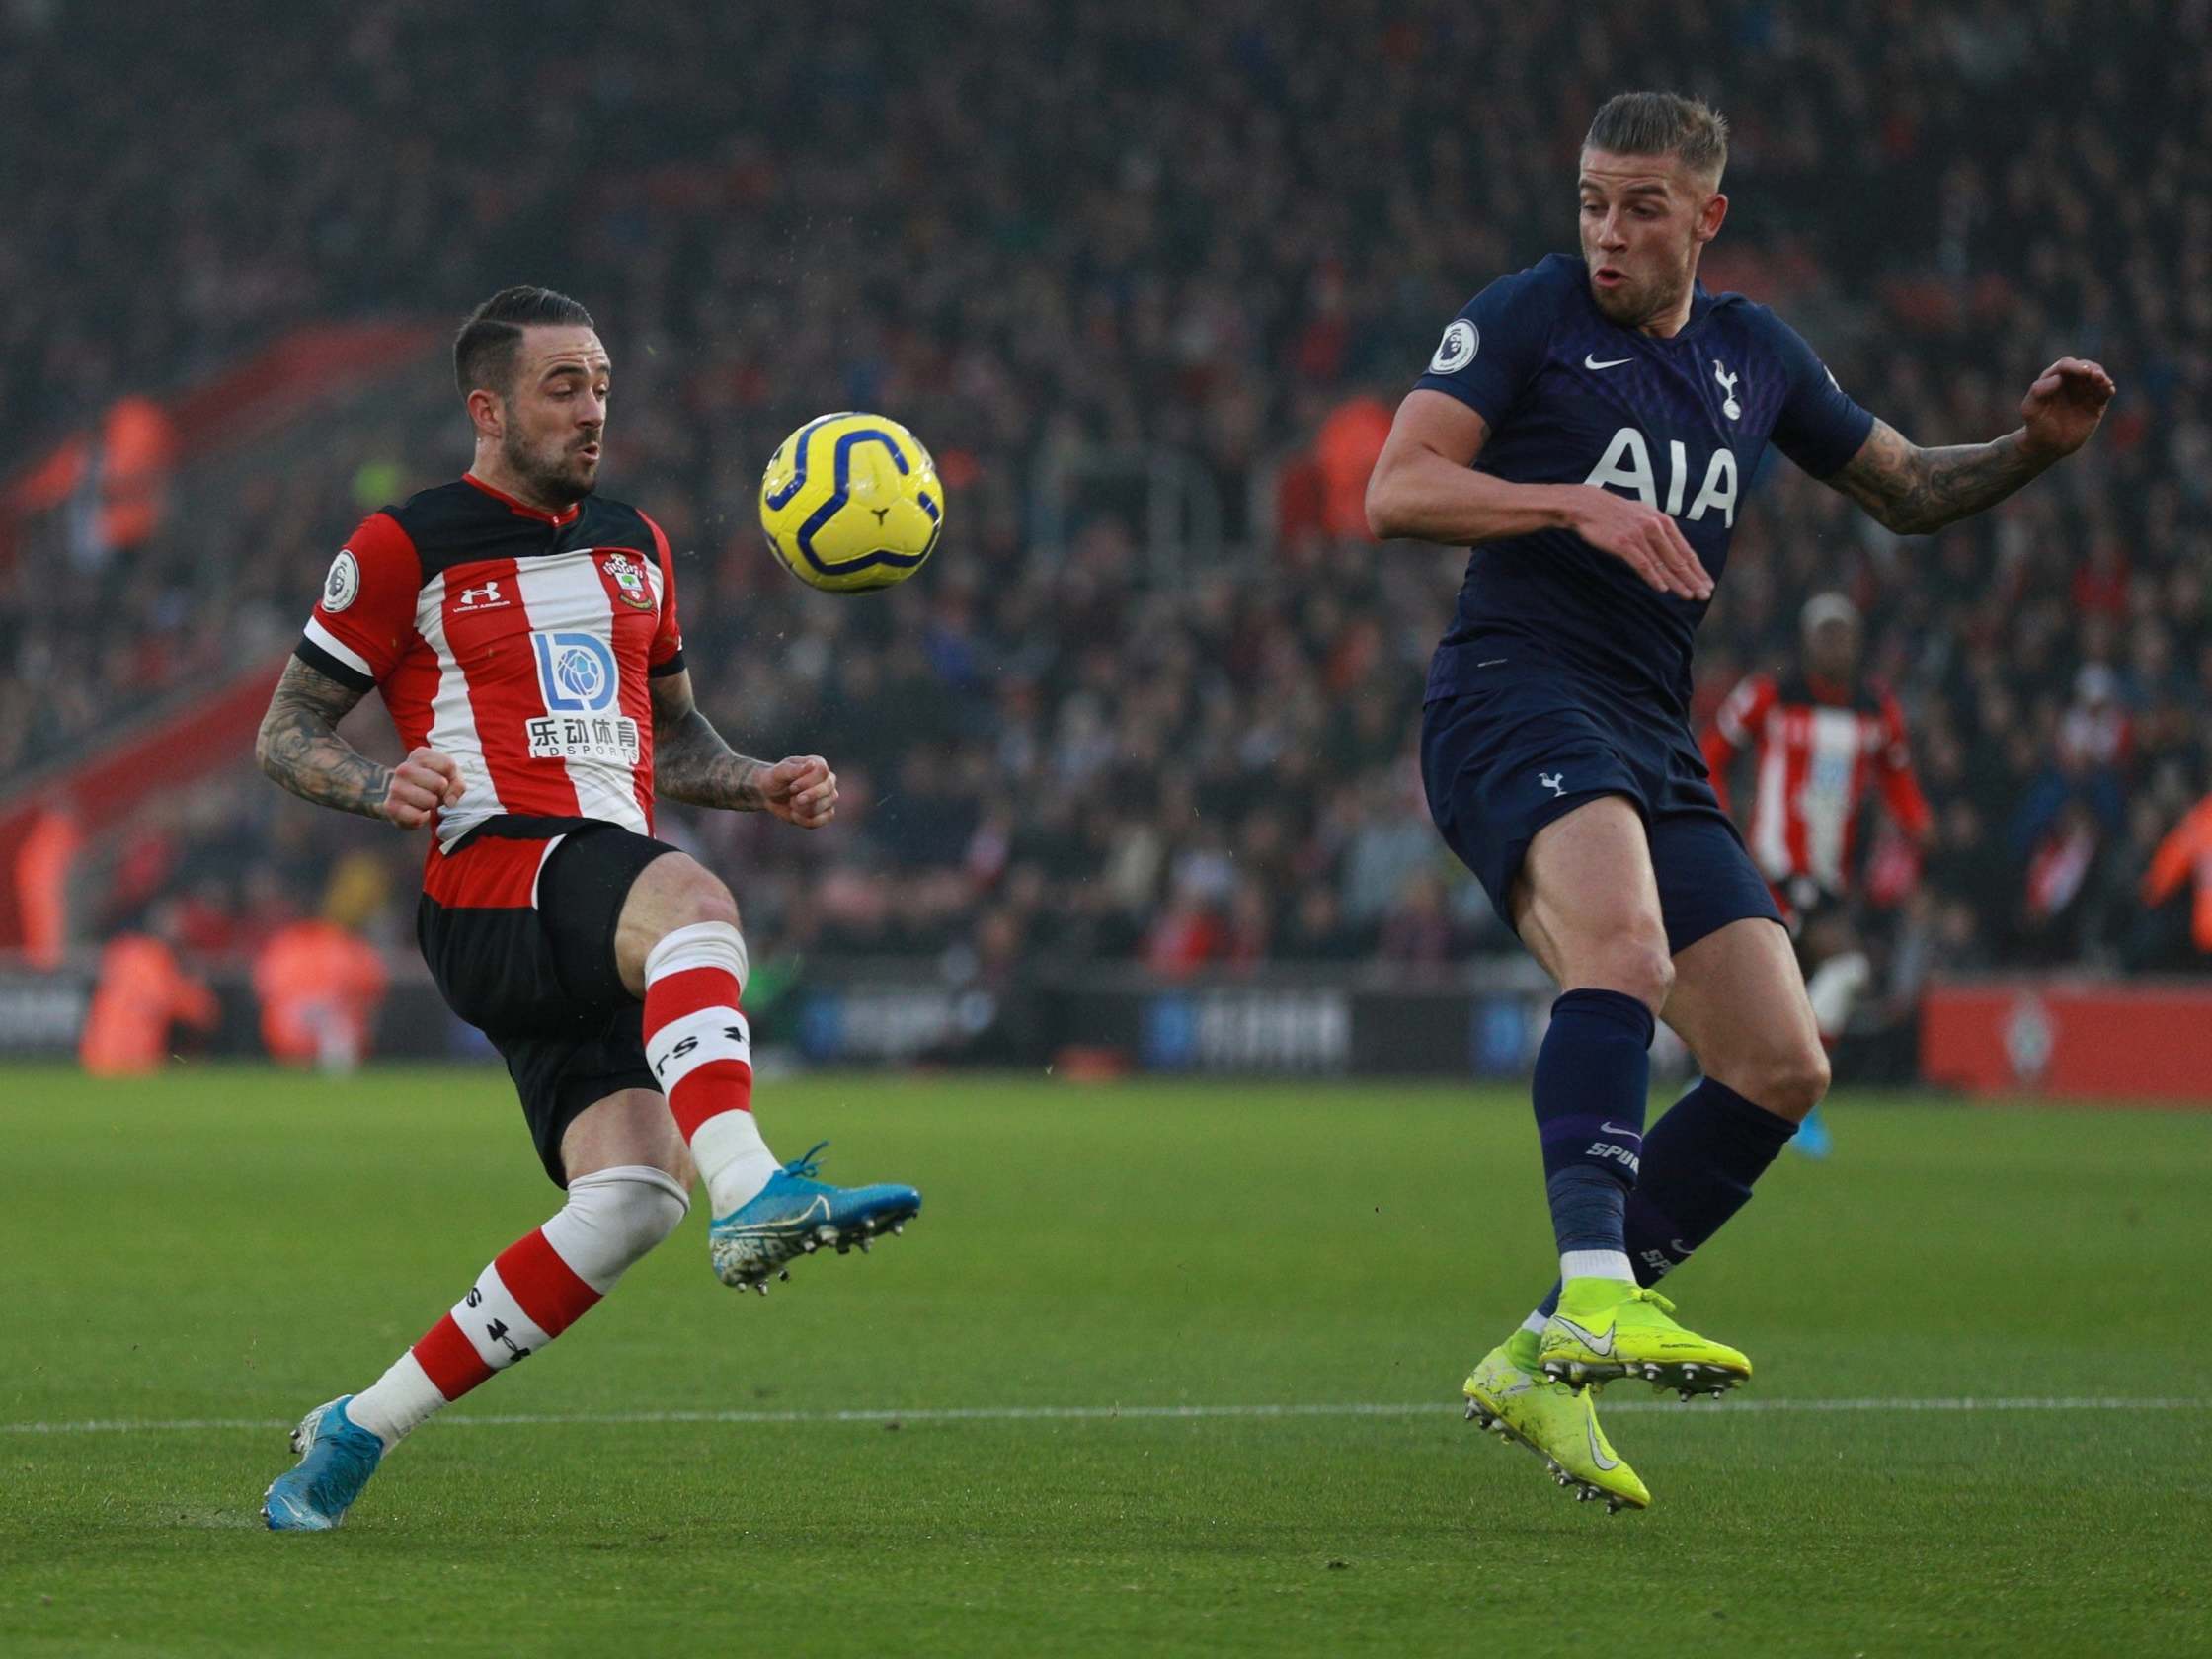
(523, 634)
(1823, 739)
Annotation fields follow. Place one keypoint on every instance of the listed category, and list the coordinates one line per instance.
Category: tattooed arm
(691, 763)
(1914, 491)
(299, 747)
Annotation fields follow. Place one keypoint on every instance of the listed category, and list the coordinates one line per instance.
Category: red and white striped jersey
(1817, 752)
(518, 642)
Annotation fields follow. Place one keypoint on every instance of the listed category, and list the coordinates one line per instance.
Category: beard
(559, 477)
(1635, 303)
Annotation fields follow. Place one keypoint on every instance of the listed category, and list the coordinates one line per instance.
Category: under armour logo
(1552, 781)
(1731, 408)
(481, 599)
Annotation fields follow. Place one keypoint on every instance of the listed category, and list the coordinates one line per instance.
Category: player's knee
(699, 896)
(1792, 1083)
(1635, 963)
(615, 1217)
(1810, 1080)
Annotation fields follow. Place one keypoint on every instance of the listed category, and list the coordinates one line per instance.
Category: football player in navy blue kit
(1587, 426)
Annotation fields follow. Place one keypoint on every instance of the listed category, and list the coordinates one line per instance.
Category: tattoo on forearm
(1915, 491)
(691, 763)
(299, 746)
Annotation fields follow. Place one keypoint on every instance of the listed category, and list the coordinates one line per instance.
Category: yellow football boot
(1557, 1423)
(1608, 1328)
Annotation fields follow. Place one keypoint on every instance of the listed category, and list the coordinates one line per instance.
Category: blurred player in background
(320, 986)
(522, 631)
(143, 994)
(1586, 426)
(1824, 739)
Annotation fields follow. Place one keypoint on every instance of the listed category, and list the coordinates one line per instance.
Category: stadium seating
(1069, 740)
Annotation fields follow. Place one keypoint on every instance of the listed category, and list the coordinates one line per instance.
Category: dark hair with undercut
(1651, 124)
(484, 350)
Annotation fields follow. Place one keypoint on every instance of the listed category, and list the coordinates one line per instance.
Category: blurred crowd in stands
(1230, 241)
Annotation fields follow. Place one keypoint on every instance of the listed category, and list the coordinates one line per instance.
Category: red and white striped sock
(533, 1291)
(700, 1049)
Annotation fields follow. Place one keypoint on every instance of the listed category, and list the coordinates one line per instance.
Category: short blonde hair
(1662, 123)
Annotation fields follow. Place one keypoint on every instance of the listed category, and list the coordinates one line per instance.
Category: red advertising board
(2070, 1040)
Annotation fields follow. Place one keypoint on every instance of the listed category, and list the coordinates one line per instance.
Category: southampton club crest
(630, 582)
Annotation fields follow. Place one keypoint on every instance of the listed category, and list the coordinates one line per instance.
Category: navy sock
(1592, 1074)
(1700, 1161)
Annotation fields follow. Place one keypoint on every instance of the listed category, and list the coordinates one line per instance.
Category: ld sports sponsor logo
(577, 677)
(576, 671)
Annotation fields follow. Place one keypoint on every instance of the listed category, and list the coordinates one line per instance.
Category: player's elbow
(1386, 509)
(271, 754)
(264, 745)
(1906, 510)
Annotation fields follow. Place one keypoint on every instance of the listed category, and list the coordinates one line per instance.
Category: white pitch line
(1108, 1413)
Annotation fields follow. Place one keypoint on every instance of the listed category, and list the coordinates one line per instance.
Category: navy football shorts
(1502, 762)
(517, 925)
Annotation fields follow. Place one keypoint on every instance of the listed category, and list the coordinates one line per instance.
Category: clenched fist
(801, 790)
(422, 783)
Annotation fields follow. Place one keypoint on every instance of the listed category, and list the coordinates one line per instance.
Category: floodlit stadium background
(1128, 770)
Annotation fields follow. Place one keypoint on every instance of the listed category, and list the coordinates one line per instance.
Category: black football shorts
(517, 922)
(1501, 763)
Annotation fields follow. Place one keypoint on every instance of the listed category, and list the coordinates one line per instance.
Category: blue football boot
(796, 1216)
(1812, 1136)
(337, 1456)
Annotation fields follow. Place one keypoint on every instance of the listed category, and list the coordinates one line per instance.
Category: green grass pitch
(233, 1247)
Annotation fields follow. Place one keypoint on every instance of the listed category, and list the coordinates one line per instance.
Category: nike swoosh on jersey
(1611, 1127)
(1584, 1337)
(1591, 362)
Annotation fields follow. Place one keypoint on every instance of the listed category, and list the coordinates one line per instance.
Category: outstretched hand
(2064, 406)
(800, 790)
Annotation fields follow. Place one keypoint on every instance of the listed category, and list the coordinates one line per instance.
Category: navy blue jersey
(1571, 397)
